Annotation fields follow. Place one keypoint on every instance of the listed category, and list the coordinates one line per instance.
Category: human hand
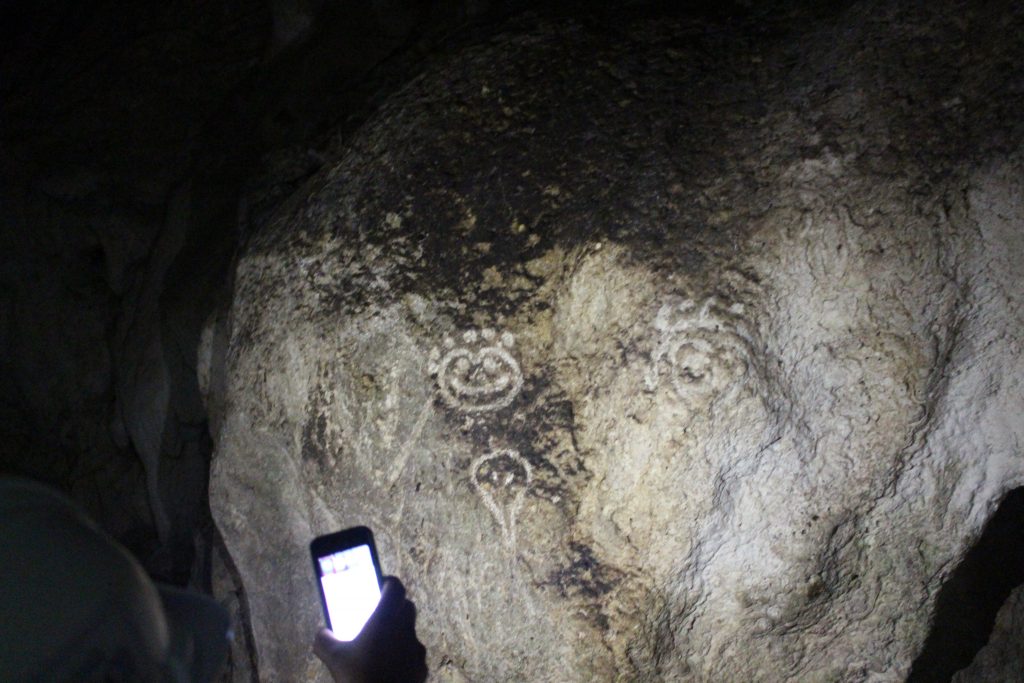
(385, 651)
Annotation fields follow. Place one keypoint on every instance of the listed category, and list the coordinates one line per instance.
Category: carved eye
(691, 375)
(491, 365)
(462, 366)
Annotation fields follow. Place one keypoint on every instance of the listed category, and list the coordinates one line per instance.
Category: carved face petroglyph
(703, 351)
(501, 479)
(479, 374)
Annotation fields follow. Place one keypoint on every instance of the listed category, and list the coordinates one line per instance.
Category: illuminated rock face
(642, 363)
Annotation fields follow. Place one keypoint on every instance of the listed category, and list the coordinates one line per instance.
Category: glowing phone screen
(350, 589)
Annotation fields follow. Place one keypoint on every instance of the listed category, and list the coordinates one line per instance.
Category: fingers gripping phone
(348, 578)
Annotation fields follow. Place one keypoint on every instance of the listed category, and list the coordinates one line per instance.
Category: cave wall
(143, 146)
(135, 142)
(103, 117)
(696, 351)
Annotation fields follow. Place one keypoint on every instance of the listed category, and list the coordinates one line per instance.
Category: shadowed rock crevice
(973, 594)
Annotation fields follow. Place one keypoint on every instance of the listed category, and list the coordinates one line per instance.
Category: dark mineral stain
(586, 579)
(315, 446)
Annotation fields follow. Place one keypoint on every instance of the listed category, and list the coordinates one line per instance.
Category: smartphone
(348, 577)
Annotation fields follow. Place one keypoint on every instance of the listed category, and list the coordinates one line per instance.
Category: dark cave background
(141, 144)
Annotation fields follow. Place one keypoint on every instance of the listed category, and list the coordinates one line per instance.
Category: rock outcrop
(662, 353)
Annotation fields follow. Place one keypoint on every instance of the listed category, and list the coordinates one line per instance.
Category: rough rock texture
(662, 353)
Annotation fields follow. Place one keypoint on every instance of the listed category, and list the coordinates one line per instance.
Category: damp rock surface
(654, 354)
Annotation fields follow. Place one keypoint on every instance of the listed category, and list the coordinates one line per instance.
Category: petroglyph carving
(704, 351)
(398, 465)
(479, 373)
(501, 478)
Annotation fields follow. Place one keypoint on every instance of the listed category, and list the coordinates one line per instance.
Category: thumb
(392, 597)
(328, 648)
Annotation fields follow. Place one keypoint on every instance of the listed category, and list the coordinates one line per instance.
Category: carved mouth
(476, 386)
(692, 362)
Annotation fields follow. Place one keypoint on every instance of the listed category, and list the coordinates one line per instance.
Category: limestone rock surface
(655, 354)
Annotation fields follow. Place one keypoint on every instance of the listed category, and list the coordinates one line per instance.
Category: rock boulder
(655, 353)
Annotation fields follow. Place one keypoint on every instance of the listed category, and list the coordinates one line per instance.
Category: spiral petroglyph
(478, 373)
(703, 351)
(501, 478)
